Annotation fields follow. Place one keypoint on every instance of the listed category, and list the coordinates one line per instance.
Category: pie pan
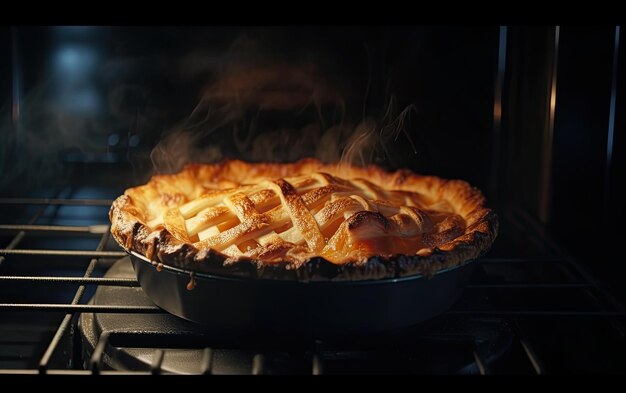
(304, 308)
(306, 246)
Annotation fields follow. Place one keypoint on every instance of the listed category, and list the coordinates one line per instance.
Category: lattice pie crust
(304, 221)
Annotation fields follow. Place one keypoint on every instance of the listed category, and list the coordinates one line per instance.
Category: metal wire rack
(603, 305)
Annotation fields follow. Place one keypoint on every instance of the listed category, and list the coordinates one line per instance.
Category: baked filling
(284, 216)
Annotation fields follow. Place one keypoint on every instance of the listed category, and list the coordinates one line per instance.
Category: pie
(305, 221)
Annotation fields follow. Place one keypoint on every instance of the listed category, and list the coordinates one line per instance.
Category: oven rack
(606, 305)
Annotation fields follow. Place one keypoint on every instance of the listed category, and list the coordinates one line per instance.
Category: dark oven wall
(587, 201)
(563, 138)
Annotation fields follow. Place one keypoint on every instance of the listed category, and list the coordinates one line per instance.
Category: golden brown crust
(456, 238)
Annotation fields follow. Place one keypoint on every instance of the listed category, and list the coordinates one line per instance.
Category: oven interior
(533, 116)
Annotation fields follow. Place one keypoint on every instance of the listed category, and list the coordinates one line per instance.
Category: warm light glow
(497, 111)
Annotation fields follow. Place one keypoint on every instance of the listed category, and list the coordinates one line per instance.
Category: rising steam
(257, 106)
(30, 148)
(278, 113)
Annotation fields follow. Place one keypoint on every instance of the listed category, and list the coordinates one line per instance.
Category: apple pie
(305, 220)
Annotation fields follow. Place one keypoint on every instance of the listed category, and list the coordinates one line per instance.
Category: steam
(370, 141)
(246, 114)
(257, 104)
(55, 128)
(30, 148)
